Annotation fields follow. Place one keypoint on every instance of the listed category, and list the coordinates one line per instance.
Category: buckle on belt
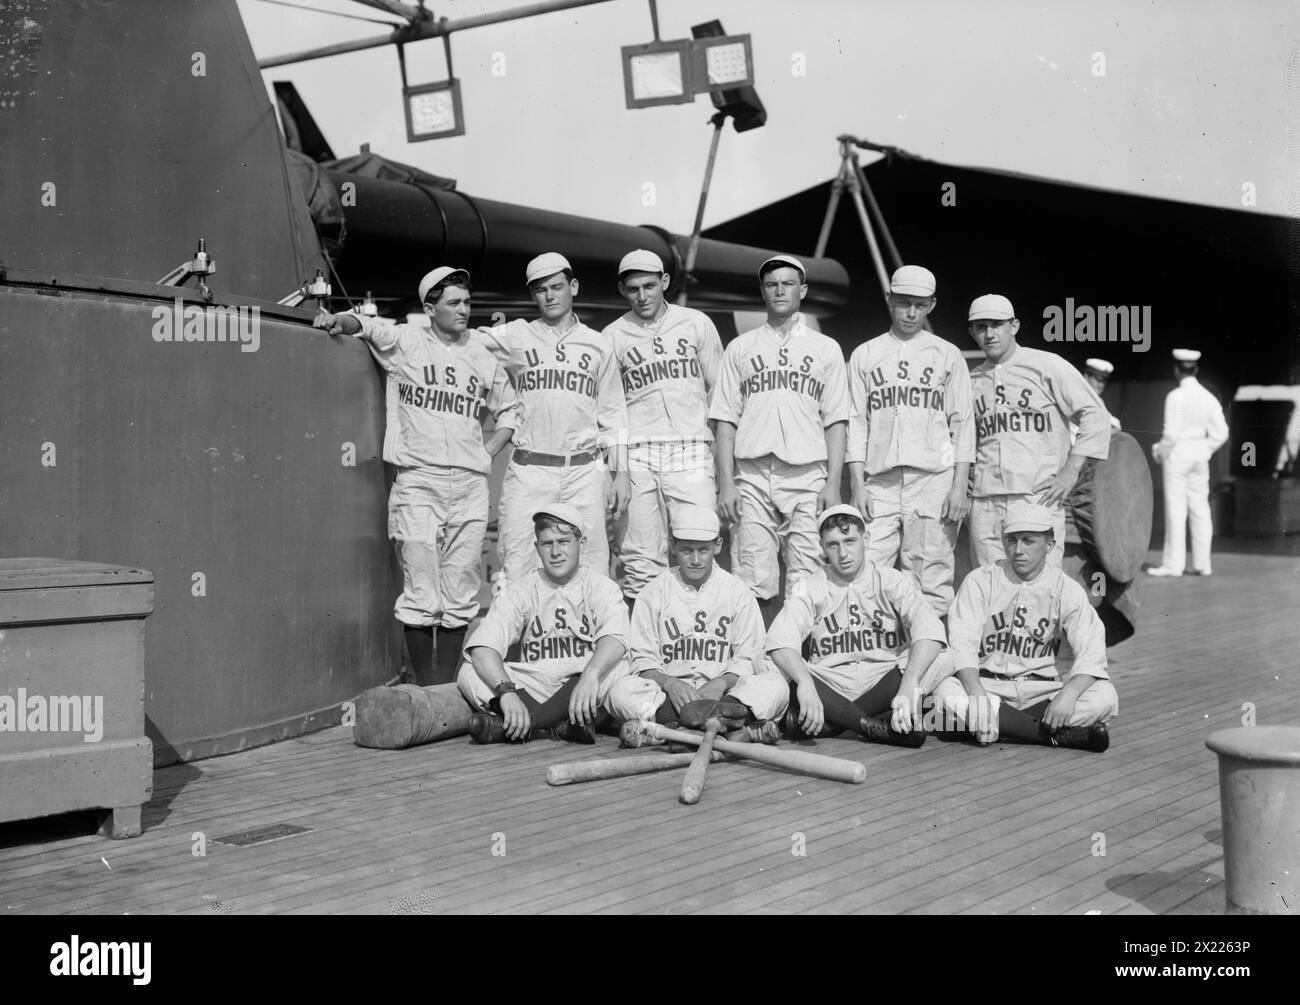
(520, 456)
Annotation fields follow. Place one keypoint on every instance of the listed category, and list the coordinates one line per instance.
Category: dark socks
(447, 655)
(838, 710)
(880, 697)
(555, 709)
(1017, 726)
(419, 646)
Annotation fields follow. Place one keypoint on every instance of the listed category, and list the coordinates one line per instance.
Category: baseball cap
(545, 265)
(789, 260)
(913, 281)
(641, 261)
(561, 511)
(991, 307)
(1027, 516)
(840, 509)
(1187, 355)
(694, 523)
(1100, 365)
(432, 279)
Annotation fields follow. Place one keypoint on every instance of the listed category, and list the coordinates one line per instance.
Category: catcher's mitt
(696, 714)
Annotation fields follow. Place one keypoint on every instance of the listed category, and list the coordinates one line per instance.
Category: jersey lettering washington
(782, 376)
(702, 646)
(904, 395)
(569, 635)
(1023, 420)
(537, 377)
(436, 399)
(638, 372)
(860, 632)
(1009, 632)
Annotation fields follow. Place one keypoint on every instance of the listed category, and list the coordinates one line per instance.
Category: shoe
(767, 732)
(1095, 737)
(881, 731)
(790, 727)
(484, 727)
(631, 734)
(1160, 570)
(567, 732)
(1199, 572)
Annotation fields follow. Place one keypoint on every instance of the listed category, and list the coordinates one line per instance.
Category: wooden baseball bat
(572, 772)
(818, 765)
(693, 782)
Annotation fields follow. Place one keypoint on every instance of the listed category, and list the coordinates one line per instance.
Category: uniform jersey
(668, 370)
(1023, 408)
(911, 404)
(874, 619)
(436, 396)
(684, 632)
(781, 392)
(554, 625)
(1193, 420)
(1044, 627)
(567, 385)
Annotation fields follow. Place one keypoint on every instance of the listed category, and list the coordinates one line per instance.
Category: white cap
(1027, 516)
(1100, 365)
(991, 307)
(641, 261)
(839, 509)
(913, 281)
(694, 523)
(433, 278)
(546, 265)
(562, 511)
(789, 260)
(1187, 355)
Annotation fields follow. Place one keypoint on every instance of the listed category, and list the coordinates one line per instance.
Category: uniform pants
(527, 488)
(538, 680)
(1099, 703)
(437, 518)
(664, 476)
(634, 697)
(778, 506)
(907, 528)
(852, 680)
(1187, 495)
(988, 513)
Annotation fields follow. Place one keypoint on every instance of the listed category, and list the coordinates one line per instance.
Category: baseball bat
(572, 772)
(693, 782)
(818, 765)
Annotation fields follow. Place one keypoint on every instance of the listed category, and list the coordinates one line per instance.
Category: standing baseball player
(440, 383)
(1194, 429)
(571, 411)
(1029, 649)
(912, 434)
(1025, 400)
(875, 647)
(782, 408)
(668, 357)
(697, 634)
(571, 627)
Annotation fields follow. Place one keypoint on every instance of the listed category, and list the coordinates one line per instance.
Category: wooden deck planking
(931, 831)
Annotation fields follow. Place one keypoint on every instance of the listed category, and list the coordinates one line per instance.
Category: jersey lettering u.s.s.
(1044, 627)
(781, 391)
(668, 370)
(697, 634)
(1023, 407)
(436, 395)
(567, 384)
(911, 404)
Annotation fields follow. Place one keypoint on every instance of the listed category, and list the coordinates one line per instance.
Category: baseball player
(440, 382)
(1029, 649)
(1194, 429)
(1025, 400)
(782, 408)
(571, 627)
(571, 408)
(668, 357)
(697, 634)
(875, 648)
(912, 434)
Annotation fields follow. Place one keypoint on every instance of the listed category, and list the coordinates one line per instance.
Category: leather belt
(551, 460)
(1018, 676)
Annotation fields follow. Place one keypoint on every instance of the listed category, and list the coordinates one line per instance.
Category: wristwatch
(504, 688)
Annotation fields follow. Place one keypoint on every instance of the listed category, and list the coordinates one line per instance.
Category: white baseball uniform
(1023, 409)
(1194, 429)
(437, 509)
(910, 423)
(571, 408)
(556, 628)
(668, 369)
(697, 635)
(1027, 639)
(781, 392)
(858, 632)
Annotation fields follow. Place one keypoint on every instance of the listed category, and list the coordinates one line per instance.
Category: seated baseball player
(875, 647)
(571, 626)
(1029, 649)
(697, 634)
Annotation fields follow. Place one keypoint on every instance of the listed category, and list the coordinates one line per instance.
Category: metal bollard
(1259, 785)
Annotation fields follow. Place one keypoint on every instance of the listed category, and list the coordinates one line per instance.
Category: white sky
(1193, 104)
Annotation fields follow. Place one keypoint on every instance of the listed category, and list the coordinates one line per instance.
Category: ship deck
(452, 827)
